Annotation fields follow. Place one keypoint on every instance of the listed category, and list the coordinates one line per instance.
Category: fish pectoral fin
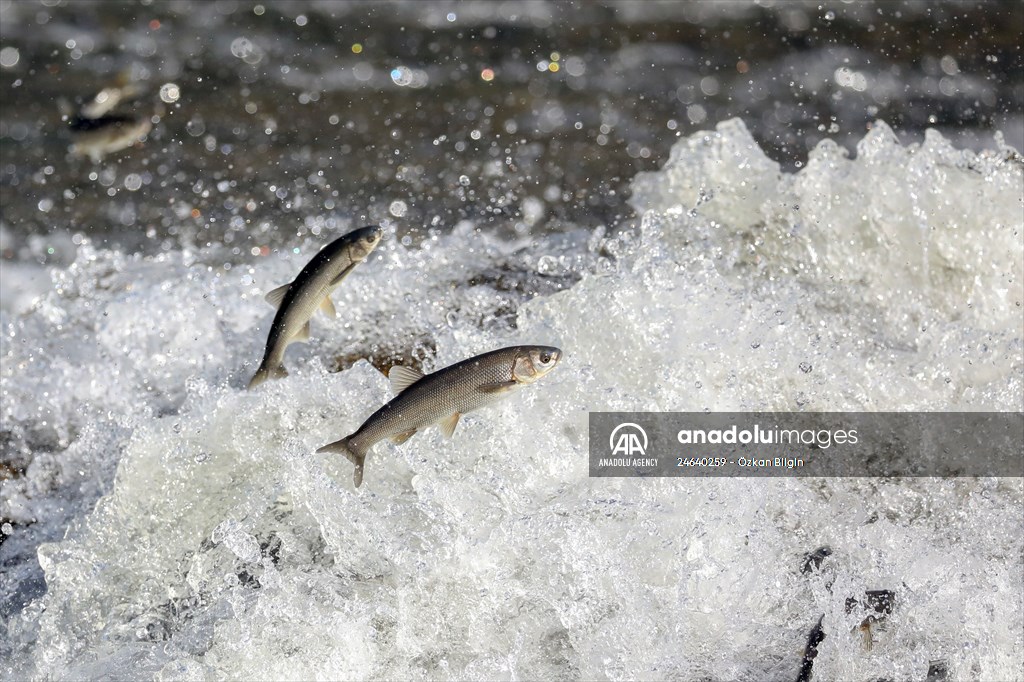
(402, 378)
(302, 334)
(342, 275)
(499, 387)
(400, 438)
(448, 424)
(275, 296)
(328, 307)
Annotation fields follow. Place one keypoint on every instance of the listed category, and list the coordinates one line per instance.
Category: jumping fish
(298, 300)
(95, 137)
(444, 396)
(97, 130)
(107, 99)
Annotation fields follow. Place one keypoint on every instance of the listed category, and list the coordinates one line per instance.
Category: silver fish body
(95, 137)
(298, 300)
(443, 396)
(107, 99)
(97, 130)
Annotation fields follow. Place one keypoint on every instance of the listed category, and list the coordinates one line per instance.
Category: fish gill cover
(205, 539)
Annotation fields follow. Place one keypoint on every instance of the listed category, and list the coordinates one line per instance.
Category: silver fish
(443, 396)
(97, 130)
(298, 300)
(95, 137)
(107, 99)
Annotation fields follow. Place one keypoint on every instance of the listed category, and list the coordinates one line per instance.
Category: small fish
(298, 300)
(97, 131)
(95, 137)
(108, 98)
(444, 396)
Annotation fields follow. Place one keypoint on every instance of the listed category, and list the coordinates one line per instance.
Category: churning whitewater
(173, 525)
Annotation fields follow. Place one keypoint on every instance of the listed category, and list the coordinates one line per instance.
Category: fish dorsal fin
(275, 296)
(400, 438)
(403, 377)
(448, 424)
(302, 334)
(328, 307)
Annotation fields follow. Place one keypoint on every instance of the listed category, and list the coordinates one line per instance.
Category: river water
(707, 206)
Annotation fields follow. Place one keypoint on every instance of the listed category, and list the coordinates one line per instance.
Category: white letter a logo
(632, 440)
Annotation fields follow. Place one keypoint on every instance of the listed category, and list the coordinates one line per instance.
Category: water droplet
(170, 93)
(547, 265)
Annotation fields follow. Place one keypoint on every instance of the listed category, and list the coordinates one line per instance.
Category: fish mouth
(554, 356)
(535, 362)
(365, 242)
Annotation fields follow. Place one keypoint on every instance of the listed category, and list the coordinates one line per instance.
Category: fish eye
(545, 358)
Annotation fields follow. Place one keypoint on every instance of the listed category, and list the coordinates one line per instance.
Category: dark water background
(283, 130)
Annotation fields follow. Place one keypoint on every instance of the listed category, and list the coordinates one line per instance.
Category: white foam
(224, 547)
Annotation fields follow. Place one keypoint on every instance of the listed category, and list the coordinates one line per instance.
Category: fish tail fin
(345, 447)
(262, 374)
